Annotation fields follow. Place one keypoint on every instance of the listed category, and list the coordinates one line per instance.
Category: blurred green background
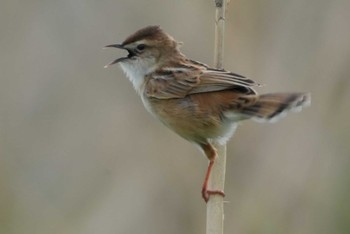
(79, 154)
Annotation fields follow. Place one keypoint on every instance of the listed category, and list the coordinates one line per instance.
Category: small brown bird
(200, 103)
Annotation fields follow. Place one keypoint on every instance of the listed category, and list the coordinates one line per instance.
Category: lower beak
(119, 46)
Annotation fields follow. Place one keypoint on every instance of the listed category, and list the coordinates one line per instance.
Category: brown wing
(217, 80)
(191, 78)
(172, 83)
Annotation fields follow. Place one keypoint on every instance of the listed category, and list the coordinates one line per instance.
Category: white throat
(136, 70)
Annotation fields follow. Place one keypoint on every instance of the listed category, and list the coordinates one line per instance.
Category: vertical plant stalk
(215, 205)
(219, 33)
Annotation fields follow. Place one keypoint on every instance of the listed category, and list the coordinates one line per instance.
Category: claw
(207, 193)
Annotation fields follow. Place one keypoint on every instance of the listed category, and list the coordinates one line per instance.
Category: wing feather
(191, 78)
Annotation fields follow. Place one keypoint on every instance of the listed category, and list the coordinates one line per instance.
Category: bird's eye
(141, 47)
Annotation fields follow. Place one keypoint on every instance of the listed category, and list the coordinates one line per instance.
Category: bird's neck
(136, 72)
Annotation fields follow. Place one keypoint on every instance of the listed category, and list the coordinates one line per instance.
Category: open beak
(119, 46)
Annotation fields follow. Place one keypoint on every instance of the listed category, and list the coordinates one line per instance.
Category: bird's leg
(211, 153)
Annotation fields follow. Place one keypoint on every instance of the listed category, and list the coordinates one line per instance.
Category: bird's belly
(185, 118)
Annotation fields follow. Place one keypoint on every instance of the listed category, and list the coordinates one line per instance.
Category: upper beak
(119, 46)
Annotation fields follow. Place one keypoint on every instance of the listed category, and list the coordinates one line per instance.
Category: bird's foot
(207, 193)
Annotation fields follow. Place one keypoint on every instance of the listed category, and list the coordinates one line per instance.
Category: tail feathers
(273, 106)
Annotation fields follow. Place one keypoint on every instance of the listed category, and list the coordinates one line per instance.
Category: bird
(200, 103)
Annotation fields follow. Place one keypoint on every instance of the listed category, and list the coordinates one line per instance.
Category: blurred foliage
(79, 154)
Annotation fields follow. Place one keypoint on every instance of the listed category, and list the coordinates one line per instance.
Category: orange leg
(211, 154)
